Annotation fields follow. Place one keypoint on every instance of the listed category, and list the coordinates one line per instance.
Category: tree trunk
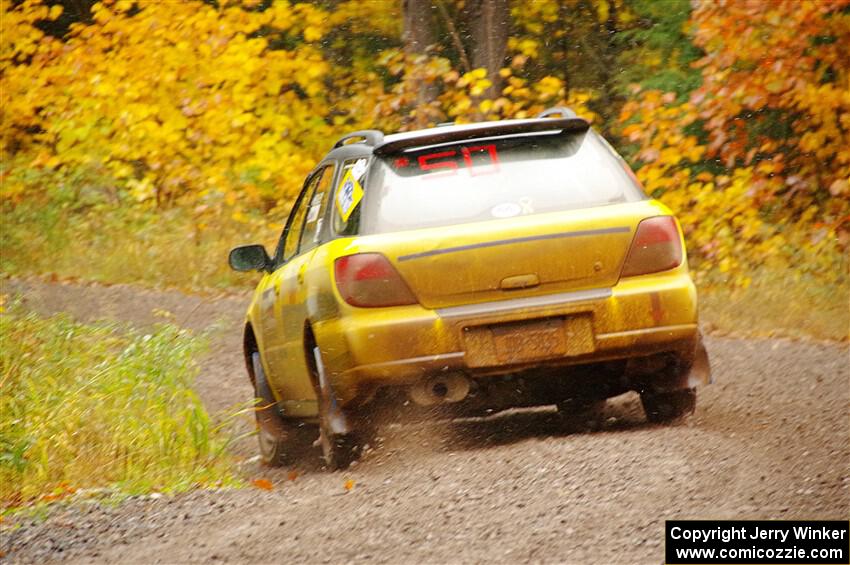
(609, 106)
(419, 34)
(418, 26)
(489, 23)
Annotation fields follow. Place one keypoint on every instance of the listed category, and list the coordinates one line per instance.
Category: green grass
(101, 406)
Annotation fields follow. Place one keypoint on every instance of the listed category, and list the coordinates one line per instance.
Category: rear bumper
(642, 316)
(621, 345)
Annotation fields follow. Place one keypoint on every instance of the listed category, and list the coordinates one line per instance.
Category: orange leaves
(773, 111)
(725, 217)
(770, 88)
(263, 484)
(266, 484)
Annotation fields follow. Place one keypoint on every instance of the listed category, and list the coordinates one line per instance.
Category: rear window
(488, 179)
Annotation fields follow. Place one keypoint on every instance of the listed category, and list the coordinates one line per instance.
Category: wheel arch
(309, 342)
(249, 347)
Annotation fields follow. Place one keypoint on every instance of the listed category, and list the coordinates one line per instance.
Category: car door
(272, 295)
(282, 303)
(294, 292)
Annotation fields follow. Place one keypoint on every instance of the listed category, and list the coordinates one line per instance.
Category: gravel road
(769, 440)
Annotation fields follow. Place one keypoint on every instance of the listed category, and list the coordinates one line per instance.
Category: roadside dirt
(770, 440)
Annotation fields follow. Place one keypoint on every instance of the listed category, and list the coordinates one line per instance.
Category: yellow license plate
(520, 342)
(523, 342)
(529, 341)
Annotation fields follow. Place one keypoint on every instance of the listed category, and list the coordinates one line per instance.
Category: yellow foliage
(729, 220)
(179, 98)
(186, 102)
(225, 108)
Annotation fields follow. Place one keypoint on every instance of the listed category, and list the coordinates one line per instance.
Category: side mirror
(249, 258)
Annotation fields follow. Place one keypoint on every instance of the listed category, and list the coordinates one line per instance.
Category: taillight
(369, 280)
(655, 247)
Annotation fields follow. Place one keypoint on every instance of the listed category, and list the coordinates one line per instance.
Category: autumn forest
(149, 129)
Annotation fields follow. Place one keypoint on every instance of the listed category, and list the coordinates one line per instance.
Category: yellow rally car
(474, 267)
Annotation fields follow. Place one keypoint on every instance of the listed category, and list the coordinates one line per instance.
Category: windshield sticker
(348, 196)
(506, 210)
(359, 168)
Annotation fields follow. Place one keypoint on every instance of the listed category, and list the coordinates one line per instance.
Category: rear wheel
(280, 441)
(341, 445)
(340, 450)
(668, 406)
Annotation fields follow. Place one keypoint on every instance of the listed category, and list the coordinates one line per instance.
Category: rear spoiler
(492, 129)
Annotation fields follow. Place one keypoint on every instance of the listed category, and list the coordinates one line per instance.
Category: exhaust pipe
(451, 387)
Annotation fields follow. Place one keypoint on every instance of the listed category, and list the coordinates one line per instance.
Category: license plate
(523, 342)
(516, 343)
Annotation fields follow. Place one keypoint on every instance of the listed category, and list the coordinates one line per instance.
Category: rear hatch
(492, 218)
(527, 256)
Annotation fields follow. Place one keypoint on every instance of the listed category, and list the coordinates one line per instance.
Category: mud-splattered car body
(488, 265)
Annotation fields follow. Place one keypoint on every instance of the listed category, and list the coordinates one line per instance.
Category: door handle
(301, 274)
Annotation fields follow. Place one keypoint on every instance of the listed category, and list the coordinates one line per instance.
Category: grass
(100, 406)
(778, 303)
(170, 249)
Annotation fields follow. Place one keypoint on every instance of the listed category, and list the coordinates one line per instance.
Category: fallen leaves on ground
(264, 484)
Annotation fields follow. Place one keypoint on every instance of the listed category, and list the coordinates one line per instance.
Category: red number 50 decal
(426, 162)
(494, 159)
(426, 166)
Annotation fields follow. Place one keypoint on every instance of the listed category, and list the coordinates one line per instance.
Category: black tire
(668, 406)
(281, 442)
(340, 450)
